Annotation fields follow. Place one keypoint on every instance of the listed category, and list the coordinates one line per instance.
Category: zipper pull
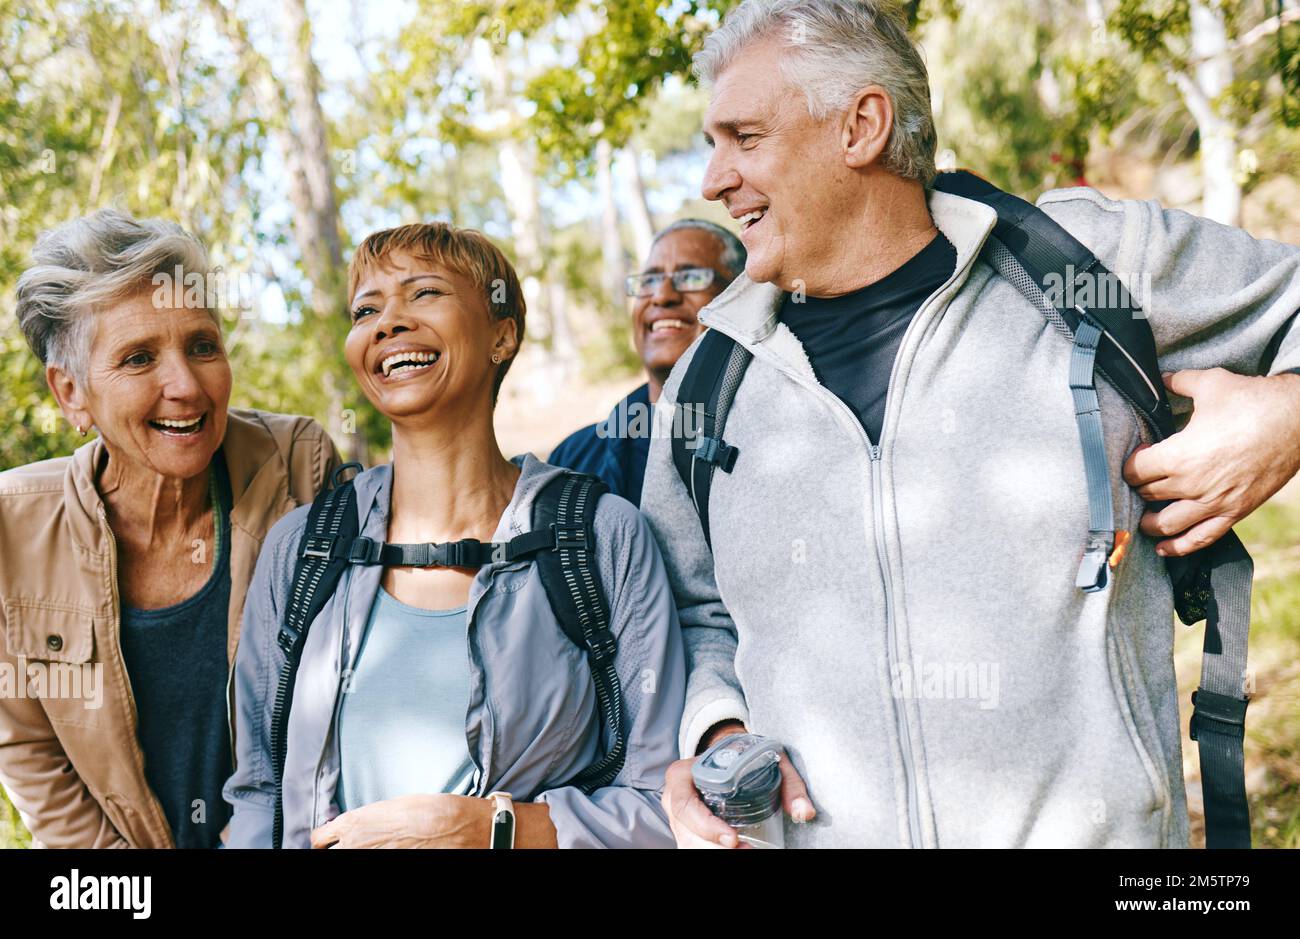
(875, 452)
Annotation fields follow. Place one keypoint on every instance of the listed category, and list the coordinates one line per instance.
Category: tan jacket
(76, 774)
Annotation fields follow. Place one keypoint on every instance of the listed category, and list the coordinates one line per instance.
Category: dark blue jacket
(616, 458)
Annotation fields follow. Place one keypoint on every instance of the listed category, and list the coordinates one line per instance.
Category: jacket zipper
(480, 767)
(130, 691)
(485, 767)
(230, 665)
(891, 637)
(331, 735)
(877, 496)
(230, 715)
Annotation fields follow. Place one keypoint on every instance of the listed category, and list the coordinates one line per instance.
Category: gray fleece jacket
(532, 720)
(903, 617)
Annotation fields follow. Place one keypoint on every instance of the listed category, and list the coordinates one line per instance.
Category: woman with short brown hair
(423, 690)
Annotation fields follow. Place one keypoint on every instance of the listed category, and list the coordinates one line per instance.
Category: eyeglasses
(686, 280)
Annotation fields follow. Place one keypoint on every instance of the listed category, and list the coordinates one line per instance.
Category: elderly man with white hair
(907, 498)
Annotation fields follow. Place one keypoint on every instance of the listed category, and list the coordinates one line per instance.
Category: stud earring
(81, 430)
(496, 359)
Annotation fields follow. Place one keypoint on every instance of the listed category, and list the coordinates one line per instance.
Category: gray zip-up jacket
(532, 719)
(903, 616)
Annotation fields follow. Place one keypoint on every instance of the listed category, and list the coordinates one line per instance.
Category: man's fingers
(1162, 490)
(1174, 518)
(696, 818)
(794, 794)
(1147, 464)
(1186, 526)
(689, 840)
(1197, 537)
(1187, 382)
(689, 817)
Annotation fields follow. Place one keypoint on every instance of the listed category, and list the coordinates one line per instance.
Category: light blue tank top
(402, 720)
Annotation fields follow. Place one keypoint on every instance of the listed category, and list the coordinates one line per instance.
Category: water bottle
(739, 779)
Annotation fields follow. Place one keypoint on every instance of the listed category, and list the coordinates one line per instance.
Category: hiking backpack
(1025, 247)
(562, 544)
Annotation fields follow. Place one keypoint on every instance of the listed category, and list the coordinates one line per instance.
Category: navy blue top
(176, 659)
(851, 340)
(618, 457)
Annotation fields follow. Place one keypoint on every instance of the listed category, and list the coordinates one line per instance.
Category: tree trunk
(318, 226)
(527, 226)
(643, 225)
(297, 124)
(316, 216)
(613, 264)
(1212, 72)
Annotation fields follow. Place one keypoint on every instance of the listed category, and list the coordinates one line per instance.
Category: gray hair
(733, 250)
(835, 48)
(87, 262)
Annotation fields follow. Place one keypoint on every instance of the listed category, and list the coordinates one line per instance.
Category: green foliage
(618, 69)
(1016, 105)
(1101, 94)
(13, 834)
(1149, 25)
(609, 59)
(606, 350)
(180, 142)
(35, 429)
(673, 120)
(1159, 32)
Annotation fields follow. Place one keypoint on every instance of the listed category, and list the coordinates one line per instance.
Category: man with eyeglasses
(691, 262)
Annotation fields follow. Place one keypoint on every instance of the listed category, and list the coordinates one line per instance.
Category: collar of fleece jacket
(750, 311)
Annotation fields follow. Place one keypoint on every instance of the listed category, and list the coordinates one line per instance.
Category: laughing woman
(123, 567)
(423, 690)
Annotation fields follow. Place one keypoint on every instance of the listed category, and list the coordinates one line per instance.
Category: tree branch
(1265, 29)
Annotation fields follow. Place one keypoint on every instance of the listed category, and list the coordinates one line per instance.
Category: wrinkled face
(774, 168)
(158, 386)
(665, 323)
(422, 340)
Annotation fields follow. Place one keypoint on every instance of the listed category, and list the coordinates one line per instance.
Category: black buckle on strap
(1091, 576)
(317, 546)
(458, 553)
(364, 550)
(714, 450)
(1219, 713)
(287, 638)
(602, 646)
(571, 536)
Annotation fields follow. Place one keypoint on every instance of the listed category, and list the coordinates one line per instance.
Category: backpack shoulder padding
(704, 399)
(571, 576)
(1047, 252)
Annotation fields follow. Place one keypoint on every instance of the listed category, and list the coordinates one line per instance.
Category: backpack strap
(563, 542)
(1091, 576)
(1031, 250)
(332, 517)
(570, 572)
(468, 552)
(703, 401)
(1050, 260)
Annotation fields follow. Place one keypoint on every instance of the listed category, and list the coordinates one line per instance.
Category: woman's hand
(415, 821)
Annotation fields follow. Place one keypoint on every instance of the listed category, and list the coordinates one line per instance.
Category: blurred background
(569, 132)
